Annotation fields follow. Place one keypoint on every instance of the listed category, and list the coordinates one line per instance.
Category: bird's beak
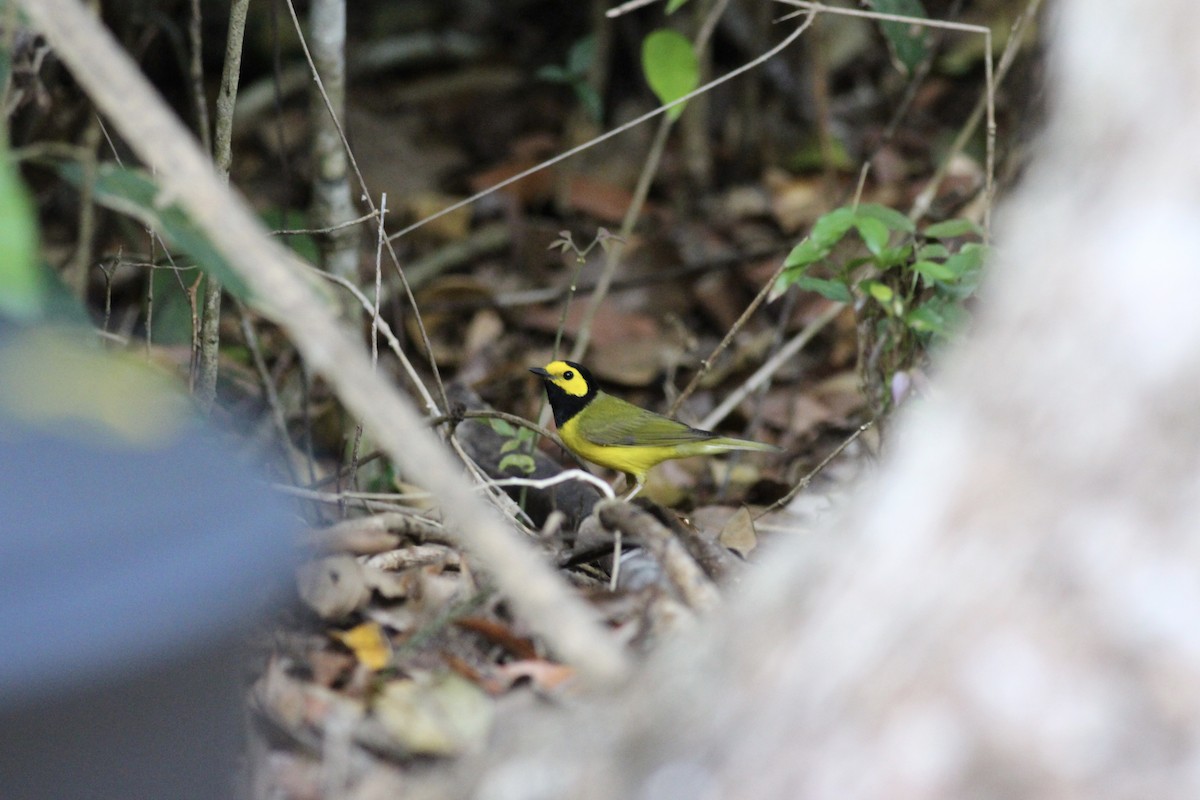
(541, 373)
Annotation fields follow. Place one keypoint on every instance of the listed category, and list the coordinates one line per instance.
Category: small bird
(610, 432)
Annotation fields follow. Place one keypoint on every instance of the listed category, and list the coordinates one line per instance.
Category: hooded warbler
(608, 431)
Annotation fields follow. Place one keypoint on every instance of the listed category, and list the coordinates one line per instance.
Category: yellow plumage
(608, 431)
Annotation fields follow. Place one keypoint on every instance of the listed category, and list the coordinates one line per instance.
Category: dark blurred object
(134, 553)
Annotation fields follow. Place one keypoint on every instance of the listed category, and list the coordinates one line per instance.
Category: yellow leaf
(369, 644)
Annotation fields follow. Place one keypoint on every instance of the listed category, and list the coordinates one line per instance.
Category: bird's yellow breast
(634, 460)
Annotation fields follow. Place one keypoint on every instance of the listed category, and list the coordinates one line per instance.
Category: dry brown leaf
(448, 227)
(329, 667)
(739, 534)
(595, 197)
(499, 634)
(546, 675)
(796, 201)
(538, 187)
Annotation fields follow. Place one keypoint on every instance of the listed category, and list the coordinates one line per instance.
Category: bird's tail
(724, 443)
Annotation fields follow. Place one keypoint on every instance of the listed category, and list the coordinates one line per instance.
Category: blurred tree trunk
(1010, 609)
(333, 203)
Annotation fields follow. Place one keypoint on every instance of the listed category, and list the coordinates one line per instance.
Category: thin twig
(625, 8)
(353, 475)
(494, 414)
(708, 362)
(77, 269)
(210, 330)
(332, 228)
(196, 74)
(763, 373)
(250, 338)
(366, 194)
(767, 56)
(562, 477)
(924, 199)
(989, 80)
(807, 479)
(382, 326)
(613, 255)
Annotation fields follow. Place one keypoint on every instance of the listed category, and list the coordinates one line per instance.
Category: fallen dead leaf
(499, 634)
(796, 201)
(546, 675)
(598, 198)
(739, 534)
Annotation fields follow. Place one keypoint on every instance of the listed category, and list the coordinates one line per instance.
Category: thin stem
(807, 479)
(763, 373)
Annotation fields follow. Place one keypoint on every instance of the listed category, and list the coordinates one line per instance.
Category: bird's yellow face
(569, 387)
(571, 378)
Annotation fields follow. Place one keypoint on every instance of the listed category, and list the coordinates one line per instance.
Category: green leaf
(579, 60)
(502, 427)
(880, 291)
(675, 5)
(925, 319)
(302, 244)
(23, 288)
(803, 254)
(510, 445)
(952, 228)
(874, 234)
(967, 259)
(931, 251)
(670, 66)
(933, 271)
(829, 229)
(890, 217)
(780, 287)
(134, 193)
(521, 461)
(591, 103)
(173, 305)
(554, 74)
(908, 42)
(833, 290)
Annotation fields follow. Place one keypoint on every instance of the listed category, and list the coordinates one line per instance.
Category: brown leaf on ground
(739, 534)
(544, 675)
(598, 198)
(499, 634)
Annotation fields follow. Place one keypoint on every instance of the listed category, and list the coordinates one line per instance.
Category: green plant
(575, 74)
(670, 66)
(22, 281)
(518, 445)
(908, 43)
(907, 290)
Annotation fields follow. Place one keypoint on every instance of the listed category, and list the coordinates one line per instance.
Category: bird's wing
(616, 423)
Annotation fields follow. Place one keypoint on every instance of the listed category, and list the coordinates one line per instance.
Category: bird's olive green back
(611, 421)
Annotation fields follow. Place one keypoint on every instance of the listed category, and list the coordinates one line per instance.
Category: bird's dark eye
(568, 374)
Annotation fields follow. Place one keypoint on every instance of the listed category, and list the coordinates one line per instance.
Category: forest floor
(400, 653)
